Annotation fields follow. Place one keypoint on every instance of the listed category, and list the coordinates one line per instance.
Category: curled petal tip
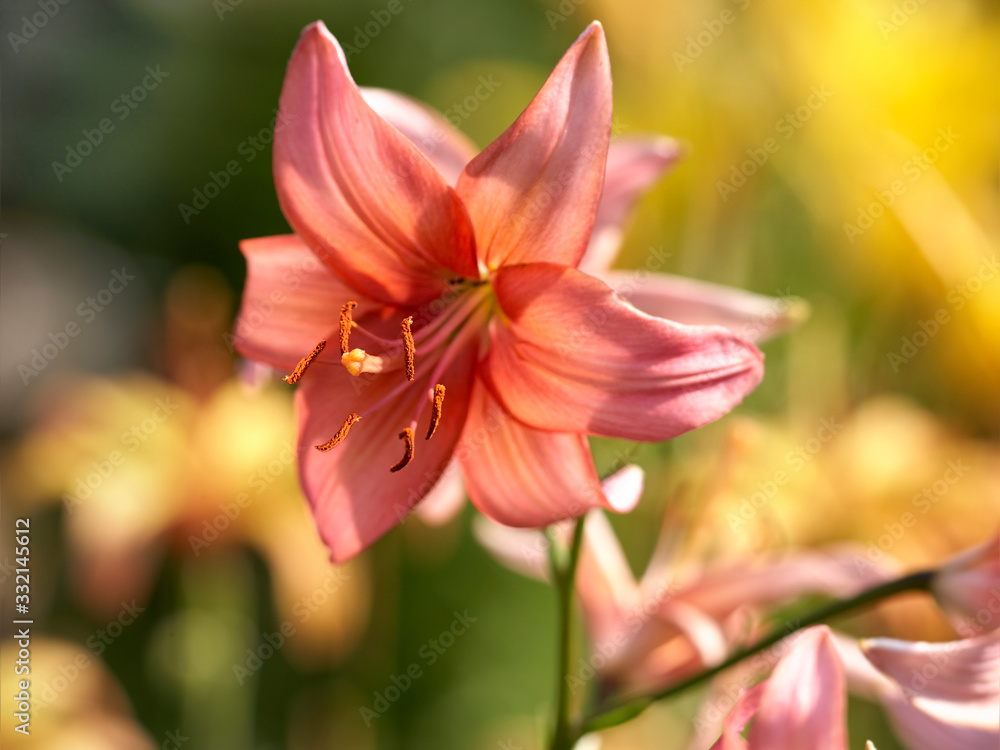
(624, 488)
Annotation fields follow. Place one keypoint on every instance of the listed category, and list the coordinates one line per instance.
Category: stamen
(409, 347)
(407, 436)
(354, 361)
(303, 365)
(435, 410)
(345, 325)
(341, 434)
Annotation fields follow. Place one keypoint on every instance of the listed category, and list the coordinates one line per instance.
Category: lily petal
(954, 727)
(525, 551)
(447, 148)
(675, 642)
(533, 193)
(803, 705)
(624, 487)
(966, 670)
(746, 707)
(754, 317)
(291, 300)
(935, 695)
(634, 165)
(722, 590)
(357, 191)
(354, 496)
(445, 501)
(695, 622)
(605, 584)
(508, 468)
(570, 355)
(966, 584)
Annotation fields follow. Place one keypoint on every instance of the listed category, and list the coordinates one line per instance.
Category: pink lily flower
(634, 164)
(468, 288)
(937, 696)
(801, 706)
(646, 635)
(967, 588)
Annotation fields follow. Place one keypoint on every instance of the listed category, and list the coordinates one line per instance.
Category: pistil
(355, 360)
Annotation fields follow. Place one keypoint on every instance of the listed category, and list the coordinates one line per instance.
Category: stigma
(354, 361)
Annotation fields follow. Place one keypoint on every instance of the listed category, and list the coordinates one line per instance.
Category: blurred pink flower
(967, 587)
(646, 635)
(801, 706)
(473, 265)
(938, 696)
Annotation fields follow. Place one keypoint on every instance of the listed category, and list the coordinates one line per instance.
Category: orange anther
(341, 433)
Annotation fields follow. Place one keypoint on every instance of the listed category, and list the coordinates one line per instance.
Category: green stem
(622, 712)
(564, 578)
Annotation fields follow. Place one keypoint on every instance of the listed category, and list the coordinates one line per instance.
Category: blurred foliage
(845, 153)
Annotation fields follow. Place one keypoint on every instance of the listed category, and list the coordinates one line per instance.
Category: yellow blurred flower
(888, 475)
(145, 468)
(868, 129)
(73, 702)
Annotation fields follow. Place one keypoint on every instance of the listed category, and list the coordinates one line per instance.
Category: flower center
(444, 336)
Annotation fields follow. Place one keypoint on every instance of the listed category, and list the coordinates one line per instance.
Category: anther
(407, 436)
(354, 361)
(341, 434)
(435, 410)
(410, 349)
(303, 365)
(346, 323)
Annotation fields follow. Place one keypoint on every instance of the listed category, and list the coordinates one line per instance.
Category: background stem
(618, 714)
(564, 577)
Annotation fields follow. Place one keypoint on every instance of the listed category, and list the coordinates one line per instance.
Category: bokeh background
(842, 153)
